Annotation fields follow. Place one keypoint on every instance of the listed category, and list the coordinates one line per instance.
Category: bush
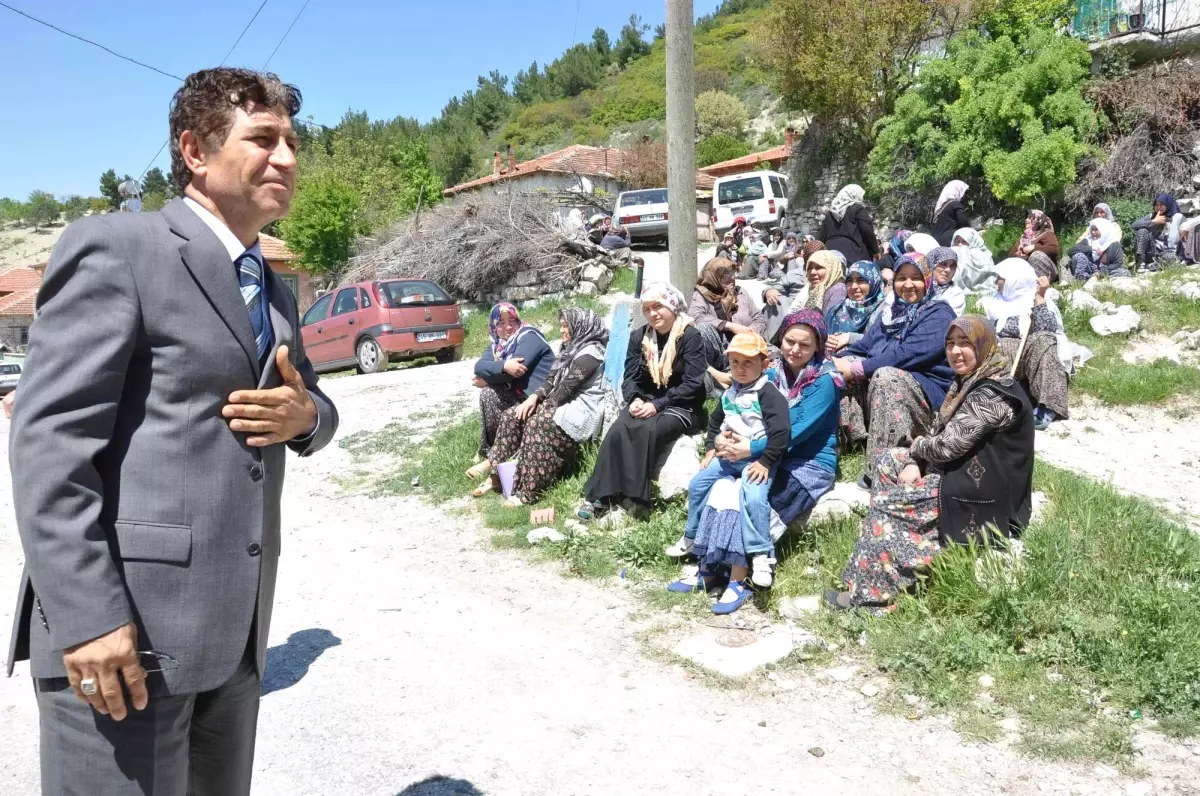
(718, 113)
(1008, 117)
(720, 148)
(325, 218)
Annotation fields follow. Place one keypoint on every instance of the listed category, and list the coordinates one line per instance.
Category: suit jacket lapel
(208, 262)
(280, 325)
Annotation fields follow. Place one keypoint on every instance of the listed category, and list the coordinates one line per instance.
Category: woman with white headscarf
(663, 388)
(976, 269)
(920, 243)
(1099, 252)
(848, 226)
(1020, 301)
(949, 214)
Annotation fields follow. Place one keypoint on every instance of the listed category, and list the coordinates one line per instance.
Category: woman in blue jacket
(897, 374)
(812, 387)
(513, 366)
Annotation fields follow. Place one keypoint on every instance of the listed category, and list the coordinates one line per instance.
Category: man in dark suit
(165, 379)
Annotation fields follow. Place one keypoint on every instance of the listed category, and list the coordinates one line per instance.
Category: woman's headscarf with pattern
(899, 314)
(658, 364)
(940, 255)
(712, 285)
(1036, 225)
(853, 316)
(846, 198)
(896, 244)
(587, 335)
(990, 363)
(953, 191)
(502, 348)
(817, 367)
(832, 264)
(811, 245)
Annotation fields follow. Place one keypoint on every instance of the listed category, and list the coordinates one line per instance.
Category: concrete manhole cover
(735, 638)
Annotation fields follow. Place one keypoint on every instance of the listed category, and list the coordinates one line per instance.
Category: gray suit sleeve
(80, 345)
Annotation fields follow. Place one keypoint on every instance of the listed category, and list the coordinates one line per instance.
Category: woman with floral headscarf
(544, 431)
(811, 385)
(848, 226)
(972, 473)
(1157, 234)
(1021, 298)
(1038, 237)
(949, 214)
(897, 375)
(895, 249)
(663, 389)
(849, 319)
(515, 364)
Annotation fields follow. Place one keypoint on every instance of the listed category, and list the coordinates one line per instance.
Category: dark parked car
(369, 324)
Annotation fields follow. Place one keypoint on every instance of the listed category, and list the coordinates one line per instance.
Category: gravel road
(409, 657)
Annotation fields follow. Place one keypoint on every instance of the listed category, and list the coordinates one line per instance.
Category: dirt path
(418, 650)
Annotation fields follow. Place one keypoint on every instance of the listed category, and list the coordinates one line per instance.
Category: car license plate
(739, 210)
(426, 337)
(653, 217)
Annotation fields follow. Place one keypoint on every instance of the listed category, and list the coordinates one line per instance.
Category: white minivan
(760, 196)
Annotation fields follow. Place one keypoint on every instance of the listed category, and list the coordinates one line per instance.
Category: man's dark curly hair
(204, 104)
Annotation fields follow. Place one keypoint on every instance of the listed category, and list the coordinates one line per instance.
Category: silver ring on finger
(88, 686)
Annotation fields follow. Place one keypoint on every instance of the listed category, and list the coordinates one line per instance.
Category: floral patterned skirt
(493, 401)
(899, 537)
(543, 450)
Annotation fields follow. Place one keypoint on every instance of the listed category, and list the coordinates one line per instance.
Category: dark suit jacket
(134, 499)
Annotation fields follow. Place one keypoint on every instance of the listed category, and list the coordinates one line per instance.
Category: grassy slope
(1096, 627)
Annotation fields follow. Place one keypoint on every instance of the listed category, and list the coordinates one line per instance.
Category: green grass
(1096, 623)
(624, 281)
(1113, 380)
(544, 316)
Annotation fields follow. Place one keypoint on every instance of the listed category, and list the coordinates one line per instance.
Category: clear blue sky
(70, 110)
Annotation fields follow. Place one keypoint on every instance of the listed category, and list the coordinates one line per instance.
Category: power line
(243, 33)
(575, 29)
(94, 44)
(285, 35)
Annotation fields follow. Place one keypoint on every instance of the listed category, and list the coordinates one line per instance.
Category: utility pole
(681, 143)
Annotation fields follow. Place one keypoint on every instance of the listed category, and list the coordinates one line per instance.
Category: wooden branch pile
(477, 246)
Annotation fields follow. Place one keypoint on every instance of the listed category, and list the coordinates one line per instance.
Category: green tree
(44, 209)
(490, 103)
(1007, 115)
(74, 207)
(11, 211)
(1017, 18)
(576, 70)
(531, 85)
(153, 201)
(720, 113)
(850, 60)
(631, 43)
(602, 45)
(325, 219)
(719, 148)
(98, 204)
(109, 182)
(156, 182)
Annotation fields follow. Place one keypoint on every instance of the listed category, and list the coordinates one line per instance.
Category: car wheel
(450, 355)
(371, 358)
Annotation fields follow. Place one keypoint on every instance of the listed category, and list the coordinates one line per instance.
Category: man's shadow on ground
(441, 786)
(288, 663)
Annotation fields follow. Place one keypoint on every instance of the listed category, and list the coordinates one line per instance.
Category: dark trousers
(180, 745)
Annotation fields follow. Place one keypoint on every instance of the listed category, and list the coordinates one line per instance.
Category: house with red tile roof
(283, 262)
(775, 158)
(19, 287)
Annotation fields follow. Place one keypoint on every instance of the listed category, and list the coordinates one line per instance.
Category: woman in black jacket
(848, 227)
(949, 214)
(664, 393)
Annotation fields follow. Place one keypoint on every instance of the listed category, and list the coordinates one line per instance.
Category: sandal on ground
(513, 502)
(691, 583)
(479, 470)
(490, 485)
(591, 511)
(741, 593)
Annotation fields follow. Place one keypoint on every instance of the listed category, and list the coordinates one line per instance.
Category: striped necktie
(250, 279)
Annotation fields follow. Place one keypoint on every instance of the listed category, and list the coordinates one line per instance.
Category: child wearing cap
(752, 408)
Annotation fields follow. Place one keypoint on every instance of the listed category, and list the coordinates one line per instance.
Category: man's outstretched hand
(276, 415)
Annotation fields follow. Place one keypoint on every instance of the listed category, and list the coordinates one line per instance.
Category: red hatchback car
(368, 324)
